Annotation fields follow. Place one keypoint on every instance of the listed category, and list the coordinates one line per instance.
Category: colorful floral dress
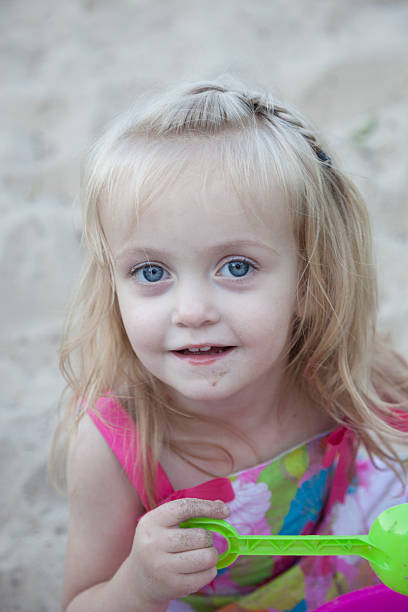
(312, 488)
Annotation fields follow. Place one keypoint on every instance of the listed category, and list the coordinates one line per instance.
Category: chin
(215, 391)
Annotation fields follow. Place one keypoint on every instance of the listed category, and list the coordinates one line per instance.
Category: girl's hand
(171, 562)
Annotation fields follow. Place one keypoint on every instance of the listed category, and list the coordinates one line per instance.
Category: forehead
(177, 187)
(189, 213)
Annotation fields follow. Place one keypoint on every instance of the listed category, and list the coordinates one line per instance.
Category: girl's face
(207, 292)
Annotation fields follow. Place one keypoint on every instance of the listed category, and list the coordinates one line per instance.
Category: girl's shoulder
(121, 435)
(91, 467)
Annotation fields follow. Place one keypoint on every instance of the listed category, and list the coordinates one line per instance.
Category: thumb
(175, 512)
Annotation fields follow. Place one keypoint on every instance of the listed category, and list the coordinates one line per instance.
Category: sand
(69, 67)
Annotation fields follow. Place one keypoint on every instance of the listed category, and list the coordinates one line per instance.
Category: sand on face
(67, 69)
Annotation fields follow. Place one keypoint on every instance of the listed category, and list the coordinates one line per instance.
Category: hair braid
(285, 115)
(265, 108)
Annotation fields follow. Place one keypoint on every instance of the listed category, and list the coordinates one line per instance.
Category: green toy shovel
(385, 546)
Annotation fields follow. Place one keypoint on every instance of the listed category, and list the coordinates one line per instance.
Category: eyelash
(240, 260)
(150, 265)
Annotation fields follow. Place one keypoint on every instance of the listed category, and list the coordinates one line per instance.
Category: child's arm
(111, 565)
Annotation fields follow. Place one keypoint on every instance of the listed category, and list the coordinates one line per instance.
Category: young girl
(223, 362)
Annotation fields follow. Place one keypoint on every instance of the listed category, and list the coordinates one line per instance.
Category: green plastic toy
(385, 546)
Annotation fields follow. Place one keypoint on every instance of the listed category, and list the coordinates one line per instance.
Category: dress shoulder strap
(122, 436)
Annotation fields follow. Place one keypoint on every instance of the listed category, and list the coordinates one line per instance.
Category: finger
(173, 513)
(180, 540)
(191, 583)
(193, 561)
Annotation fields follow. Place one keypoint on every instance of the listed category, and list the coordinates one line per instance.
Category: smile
(202, 355)
(197, 350)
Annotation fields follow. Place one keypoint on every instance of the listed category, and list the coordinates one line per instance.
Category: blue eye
(149, 273)
(237, 268)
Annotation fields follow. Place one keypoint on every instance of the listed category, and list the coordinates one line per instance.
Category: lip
(199, 346)
(202, 358)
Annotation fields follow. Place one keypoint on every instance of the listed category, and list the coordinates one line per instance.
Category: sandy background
(69, 67)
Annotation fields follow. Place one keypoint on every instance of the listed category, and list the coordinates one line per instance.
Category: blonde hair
(335, 352)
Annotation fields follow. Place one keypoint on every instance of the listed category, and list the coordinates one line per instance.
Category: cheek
(143, 322)
(269, 324)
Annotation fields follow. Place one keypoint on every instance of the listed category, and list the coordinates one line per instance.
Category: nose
(194, 307)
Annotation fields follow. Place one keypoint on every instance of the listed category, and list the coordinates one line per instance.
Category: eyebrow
(129, 250)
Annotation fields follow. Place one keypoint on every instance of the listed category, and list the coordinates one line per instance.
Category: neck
(283, 410)
(270, 424)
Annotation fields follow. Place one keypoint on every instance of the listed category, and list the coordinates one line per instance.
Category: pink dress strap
(121, 434)
(340, 444)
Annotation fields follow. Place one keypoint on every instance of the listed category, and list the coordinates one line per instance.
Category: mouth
(203, 354)
(203, 350)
